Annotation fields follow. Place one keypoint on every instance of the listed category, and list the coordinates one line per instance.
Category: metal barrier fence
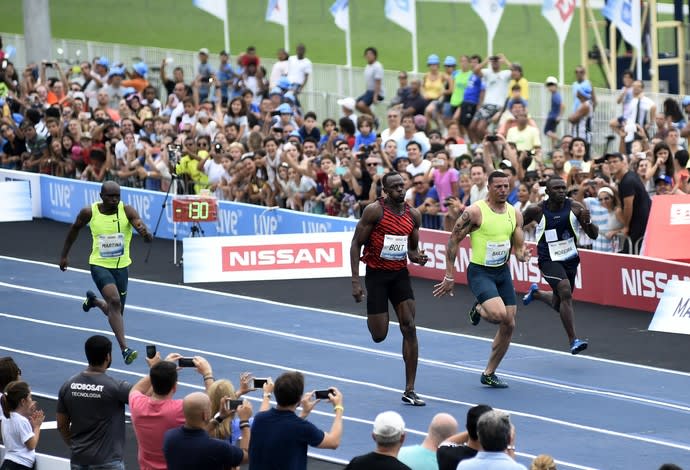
(325, 86)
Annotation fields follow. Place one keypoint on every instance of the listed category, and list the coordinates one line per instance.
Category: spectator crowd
(218, 428)
(239, 132)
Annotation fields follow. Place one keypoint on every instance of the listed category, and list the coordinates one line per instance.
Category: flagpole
(286, 38)
(561, 66)
(226, 34)
(415, 57)
(348, 44)
(348, 52)
(489, 43)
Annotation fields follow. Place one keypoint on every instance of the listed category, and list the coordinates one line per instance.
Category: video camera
(174, 154)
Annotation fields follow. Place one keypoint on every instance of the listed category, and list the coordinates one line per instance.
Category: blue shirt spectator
(474, 88)
(555, 108)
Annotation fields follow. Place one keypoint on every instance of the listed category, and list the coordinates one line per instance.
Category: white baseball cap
(551, 80)
(389, 425)
(348, 103)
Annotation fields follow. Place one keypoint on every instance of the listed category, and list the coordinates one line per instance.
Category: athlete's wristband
(446, 278)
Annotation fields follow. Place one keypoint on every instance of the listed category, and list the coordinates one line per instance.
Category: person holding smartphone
(153, 407)
(279, 435)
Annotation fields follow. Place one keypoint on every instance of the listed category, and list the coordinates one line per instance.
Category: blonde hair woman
(229, 429)
(543, 462)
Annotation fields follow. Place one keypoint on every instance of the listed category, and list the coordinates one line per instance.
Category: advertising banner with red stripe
(257, 258)
(634, 282)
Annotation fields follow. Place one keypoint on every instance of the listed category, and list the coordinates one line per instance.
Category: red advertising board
(625, 281)
(668, 229)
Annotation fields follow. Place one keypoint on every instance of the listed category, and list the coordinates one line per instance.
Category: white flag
(277, 12)
(490, 11)
(341, 14)
(403, 13)
(560, 14)
(217, 8)
(625, 14)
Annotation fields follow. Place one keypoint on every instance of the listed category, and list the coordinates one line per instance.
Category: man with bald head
(111, 223)
(423, 456)
(190, 447)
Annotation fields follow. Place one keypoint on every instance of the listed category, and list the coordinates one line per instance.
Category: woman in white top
(21, 426)
(609, 219)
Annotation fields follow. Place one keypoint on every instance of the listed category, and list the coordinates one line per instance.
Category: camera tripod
(172, 187)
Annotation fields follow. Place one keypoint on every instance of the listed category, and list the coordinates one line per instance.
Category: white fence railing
(325, 86)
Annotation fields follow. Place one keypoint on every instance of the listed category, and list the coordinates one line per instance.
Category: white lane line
(198, 387)
(348, 315)
(367, 350)
(175, 347)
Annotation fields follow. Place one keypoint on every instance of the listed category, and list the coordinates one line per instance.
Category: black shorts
(555, 271)
(103, 276)
(467, 111)
(550, 126)
(487, 283)
(383, 286)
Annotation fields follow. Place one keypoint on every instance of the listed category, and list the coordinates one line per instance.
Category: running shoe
(578, 345)
(411, 398)
(129, 355)
(474, 315)
(529, 296)
(90, 301)
(492, 380)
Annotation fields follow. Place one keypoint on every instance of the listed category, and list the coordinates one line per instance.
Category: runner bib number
(562, 250)
(497, 253)
(394, 247)
(111, 246)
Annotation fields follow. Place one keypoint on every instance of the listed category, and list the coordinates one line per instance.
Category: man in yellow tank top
(111, 223)
(494, 228)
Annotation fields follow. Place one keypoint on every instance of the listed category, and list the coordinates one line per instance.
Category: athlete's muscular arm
(82, 219)
(370, 217)
(522, 252)
(137, 223)
(469, 219)
(585, 219)
(413, 252)
(532, 214)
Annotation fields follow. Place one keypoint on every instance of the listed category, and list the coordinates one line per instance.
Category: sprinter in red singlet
(389, 232)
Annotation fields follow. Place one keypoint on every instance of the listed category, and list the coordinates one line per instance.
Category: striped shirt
(387, 245)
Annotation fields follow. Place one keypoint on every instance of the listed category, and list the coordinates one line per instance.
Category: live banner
(634, 282)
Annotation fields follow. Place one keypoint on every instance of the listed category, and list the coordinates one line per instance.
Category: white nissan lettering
(267, 257)
(643, 283)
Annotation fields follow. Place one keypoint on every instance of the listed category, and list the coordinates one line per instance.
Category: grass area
(444, 28)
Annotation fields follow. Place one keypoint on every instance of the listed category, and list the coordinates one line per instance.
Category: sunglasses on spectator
(372, 163)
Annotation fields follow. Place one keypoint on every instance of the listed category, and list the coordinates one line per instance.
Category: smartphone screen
(259, 383)
(321, 394)
(233, 404)
(150, 351)
(185, 362)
